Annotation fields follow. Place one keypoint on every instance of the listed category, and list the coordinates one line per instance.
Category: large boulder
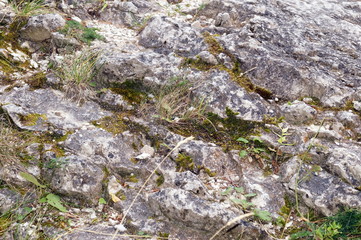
(296, 49)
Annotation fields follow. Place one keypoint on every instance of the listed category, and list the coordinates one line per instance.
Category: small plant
(56, 163)
(175, 102)
(12, 141)
(77, 74)
(282, 137)
(48, 198)
(26, 8)
(80, 32)
(253, 146)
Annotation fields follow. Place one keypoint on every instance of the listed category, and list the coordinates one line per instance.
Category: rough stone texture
(298, 112)
(166, 35)
(8, 199)
(212, 157)
(78, 178)
(39, 28)
(119, 67)
(269, 190)
(104, 149)
(220, 93)
(55, 111)
(294, 56)
(345, 162)
(319, 189)
(182, 206)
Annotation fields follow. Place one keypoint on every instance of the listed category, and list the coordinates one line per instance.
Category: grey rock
(62, 41)
(349, 119)
(184, 208)
(221, 92)
(118, 67)
(113, 101)
(77, 179)
(113, 152)
(39, 28)
(223, 20)
(268, 188)
(52, 109)
(319, 189)
(212, 157)
(345, 162)
(298, 112)
(180, 205)
(357, 105)
(292, 56)
(167, 35)
(8, 200)
(207, 57)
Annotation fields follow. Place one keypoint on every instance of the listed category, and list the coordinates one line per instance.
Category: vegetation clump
(32, 119)
(80, 32)
(131, 90)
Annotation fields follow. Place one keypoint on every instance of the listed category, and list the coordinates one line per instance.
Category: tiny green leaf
(54, 200)
(241, 139)
(239, 189)
(31, 179)
(227, 191)
(43, 200)
(236, 200)
(258, 150)
(263, 215)
(102, 201)
(246, 204)
(250, 195)
(243, 153)
(257, 139)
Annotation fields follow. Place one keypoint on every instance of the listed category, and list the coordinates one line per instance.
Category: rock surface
(270, 91)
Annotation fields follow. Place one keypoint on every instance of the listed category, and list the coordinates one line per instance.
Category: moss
(113, 124)
(36, 81)
(131, 178)
(209, 172)
(121, 195)
(32, 119)
(160, 179)
(132, 91)
(222, 131)
(184, 163)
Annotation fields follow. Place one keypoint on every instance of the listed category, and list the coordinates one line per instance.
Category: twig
(233, 221)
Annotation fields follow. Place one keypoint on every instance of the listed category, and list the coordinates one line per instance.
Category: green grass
(26, 8)
(77, 74)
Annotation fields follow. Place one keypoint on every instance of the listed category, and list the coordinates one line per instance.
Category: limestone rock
(39, 28)
(47, 109)
(167, 35)
(292, 56)
(298, 112)
(78, 179)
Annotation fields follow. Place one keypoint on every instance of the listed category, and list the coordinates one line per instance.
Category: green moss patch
(132, 91)
(222, 131)
(32, 119)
